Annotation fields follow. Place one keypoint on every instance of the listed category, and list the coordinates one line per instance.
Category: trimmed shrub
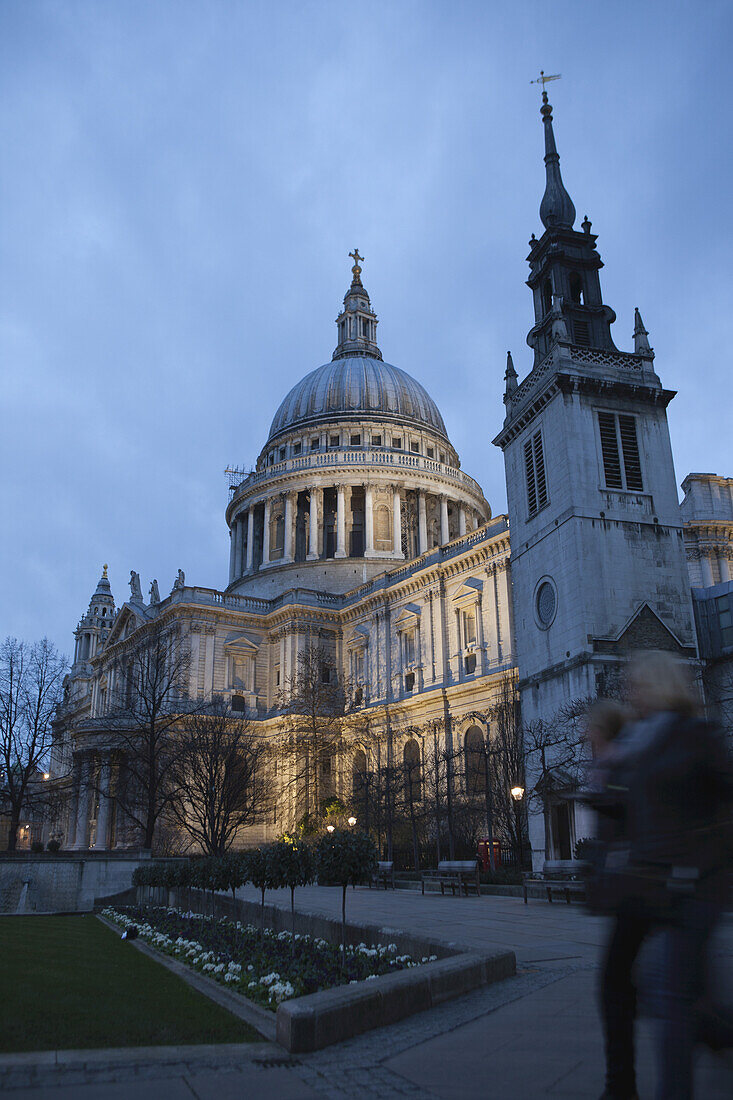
(345, 859)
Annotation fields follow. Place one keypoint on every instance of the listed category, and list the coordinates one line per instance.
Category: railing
(323, 460)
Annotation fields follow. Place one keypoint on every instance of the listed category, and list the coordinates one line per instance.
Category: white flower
(371, 977)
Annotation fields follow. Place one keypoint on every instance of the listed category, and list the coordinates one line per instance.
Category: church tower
(597, 557)
(95, 624)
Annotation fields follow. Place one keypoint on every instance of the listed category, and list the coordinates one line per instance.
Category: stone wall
(64, 883)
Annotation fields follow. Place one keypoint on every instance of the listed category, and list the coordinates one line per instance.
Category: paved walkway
(536, 1035)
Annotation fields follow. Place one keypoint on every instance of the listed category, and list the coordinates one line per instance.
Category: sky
(181, 183)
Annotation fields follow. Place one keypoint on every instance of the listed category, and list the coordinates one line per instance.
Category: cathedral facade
(358, 532)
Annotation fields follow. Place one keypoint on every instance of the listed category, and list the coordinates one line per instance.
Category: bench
(552, 885)
(461, 873)
(384, 874)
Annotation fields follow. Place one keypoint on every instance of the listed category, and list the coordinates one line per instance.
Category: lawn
(71, 983)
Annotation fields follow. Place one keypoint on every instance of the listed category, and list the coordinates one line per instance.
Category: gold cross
(542, 79)
(356, 257)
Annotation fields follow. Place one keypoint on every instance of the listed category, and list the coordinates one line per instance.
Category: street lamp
(329, 828)
(517, 794)
(352, 821)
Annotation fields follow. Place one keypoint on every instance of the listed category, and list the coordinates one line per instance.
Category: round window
(546, 603)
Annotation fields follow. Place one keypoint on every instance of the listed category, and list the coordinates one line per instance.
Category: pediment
(643, 630)
(128, 620)
(408, 617)
(241, 641)
(359, 637)
(470, 589)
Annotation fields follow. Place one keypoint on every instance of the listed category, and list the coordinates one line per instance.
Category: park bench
(384, 875)
(460, 873)
(552, 884)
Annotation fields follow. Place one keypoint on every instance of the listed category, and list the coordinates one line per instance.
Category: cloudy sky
(181, 183)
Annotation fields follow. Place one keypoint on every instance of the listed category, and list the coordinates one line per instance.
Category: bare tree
(313, 703)
(31, 688)
(148, 699)
(222, 781)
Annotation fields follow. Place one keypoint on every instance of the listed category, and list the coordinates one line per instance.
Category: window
(581, 330)
(359, 772)
(547, 296)
(356, 440)
(430, 452)
(534, 468)
(365, 328)
(408, 648)
(325, 767)
(282, 454)
(409, 681)
(270, 458)
(297, 448)
(325, 674)
(620, 451)
(396, 442)
(470, 663)
(412, 770)
(469, 627)
(475, 762)
(358, 696)
(314, 443)
(357, 665)
(376, 441)
(277, 675)
(576, 288)
(238, 702)
(414, 446)
(333, 440)
(442, 457)
(546, 604)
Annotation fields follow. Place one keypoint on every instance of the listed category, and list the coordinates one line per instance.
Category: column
(250, 537)
(315, 498)
(461, 519)
(232, 552)
(707, 569)
(289, 539)
(341, 522)
(444, 531)
(368, 520)
(397, 524)
(266, 534)
(82, 808)
(422, 523)
(239, 546)
(724, 564)
(101, 840)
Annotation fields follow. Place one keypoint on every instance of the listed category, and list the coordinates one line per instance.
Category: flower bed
(267, 969)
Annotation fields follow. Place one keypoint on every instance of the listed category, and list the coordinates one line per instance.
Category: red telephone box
(483, 854)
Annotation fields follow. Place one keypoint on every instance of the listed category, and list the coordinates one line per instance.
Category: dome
(358, 386)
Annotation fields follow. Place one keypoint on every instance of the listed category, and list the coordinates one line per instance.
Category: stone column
(444, 529)
(724, 564)
(101, 840)
(266, 534)
(461, 519)
(289, 538)
(340, 522)
(82, 807)
(250, 537)
(397, 523)
(232, 553)
(422, 523)
(368, 520)
(315, 497)
(707, 569)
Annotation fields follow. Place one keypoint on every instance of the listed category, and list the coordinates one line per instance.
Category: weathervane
(542, 79)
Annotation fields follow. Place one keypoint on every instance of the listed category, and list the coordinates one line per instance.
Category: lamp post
(517, 794)
(330, 828)
(352, 822)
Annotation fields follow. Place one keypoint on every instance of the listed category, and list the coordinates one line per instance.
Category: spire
(641, 336)
(556, 208)
(357, 322)
(510, 377)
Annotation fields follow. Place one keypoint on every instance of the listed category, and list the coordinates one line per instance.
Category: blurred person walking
(667, 790)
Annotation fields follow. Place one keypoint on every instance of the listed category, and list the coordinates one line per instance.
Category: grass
(71, 983)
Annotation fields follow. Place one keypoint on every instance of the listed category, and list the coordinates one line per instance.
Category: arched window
(475, 763)
(413, 771)
(547, 297)
(358, 773)
(576, 288)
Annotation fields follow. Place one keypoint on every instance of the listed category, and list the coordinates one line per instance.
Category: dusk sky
(181, 184)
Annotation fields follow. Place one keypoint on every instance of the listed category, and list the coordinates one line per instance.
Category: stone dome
(359, 386)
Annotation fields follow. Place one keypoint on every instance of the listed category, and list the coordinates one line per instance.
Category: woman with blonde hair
(671, 772)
